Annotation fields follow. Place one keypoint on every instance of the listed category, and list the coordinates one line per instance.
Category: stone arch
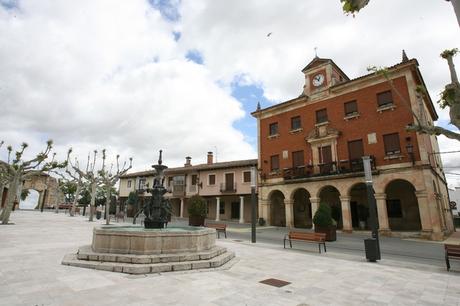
(331, 195)
(300, 198)
(277, 208)
(402, 206)
(32, 201)
(359, 206)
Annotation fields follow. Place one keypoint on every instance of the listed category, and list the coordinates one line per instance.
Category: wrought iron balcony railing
(332, 168)
(228, 187)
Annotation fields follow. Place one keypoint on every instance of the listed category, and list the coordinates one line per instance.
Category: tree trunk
(12, 194)
(453, 73)
(75, 200)
(93, 200)
(456, 5)
(107, 206)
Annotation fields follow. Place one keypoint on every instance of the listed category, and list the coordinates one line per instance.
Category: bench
(319, 238)
(219, 228)
(452, 251)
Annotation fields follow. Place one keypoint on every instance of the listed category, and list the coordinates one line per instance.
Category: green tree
(322, 217)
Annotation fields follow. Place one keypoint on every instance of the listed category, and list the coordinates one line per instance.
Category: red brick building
(310, 151)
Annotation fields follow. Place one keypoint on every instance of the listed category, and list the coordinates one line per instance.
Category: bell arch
(331, 196)
(302, 208)
(277, 208)
(402, 206)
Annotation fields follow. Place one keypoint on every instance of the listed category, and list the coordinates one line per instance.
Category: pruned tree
(76, 179)
(17, 170)
(109, 179)
(90, 176)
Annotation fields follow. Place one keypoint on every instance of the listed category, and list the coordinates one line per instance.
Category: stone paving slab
(31, 274)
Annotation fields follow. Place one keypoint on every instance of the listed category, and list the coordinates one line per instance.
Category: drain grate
(274, 282)
(236, 240)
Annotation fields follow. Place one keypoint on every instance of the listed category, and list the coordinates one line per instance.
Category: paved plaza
(31, 273)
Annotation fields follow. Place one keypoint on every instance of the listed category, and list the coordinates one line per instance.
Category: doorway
(235, 213)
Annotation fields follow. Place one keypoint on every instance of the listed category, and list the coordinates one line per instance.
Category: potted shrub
(324, 223)
(197, 211)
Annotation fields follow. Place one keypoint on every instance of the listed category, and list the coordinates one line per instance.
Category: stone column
(264, 211)
(181, 207)
(289, 207)
(314, 206)
(346, 214)
(424, 210)
(217, 209)
(382, 213)
(241, 209)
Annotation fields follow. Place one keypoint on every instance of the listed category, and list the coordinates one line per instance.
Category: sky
(138, 76)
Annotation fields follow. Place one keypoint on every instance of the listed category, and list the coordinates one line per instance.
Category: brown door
(325, 155)
(229, 181)
(355, 154)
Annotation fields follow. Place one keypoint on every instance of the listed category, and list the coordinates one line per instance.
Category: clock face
(318, 80)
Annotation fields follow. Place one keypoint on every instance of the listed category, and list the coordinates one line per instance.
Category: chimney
(209, 158)
(188, 161)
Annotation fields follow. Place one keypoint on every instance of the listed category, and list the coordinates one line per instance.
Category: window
(384, 98)
(142, 183)
(194, 179)
(274, 163)
(321, 115)
(246, 176)
(297, 159)
(355, 149)
(179, 180)
(170, 179)
(273, 129)
(391, 142)
(129, 183)
(296, 123)
(211, 179)
(394, 208)
(351, 108)
(222, 208)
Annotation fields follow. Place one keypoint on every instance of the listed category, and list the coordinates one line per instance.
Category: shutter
(297, 159)
(321, 115)
(351, 107)
(384, 98)
(355, 149)
(274, 161)
(391, 142)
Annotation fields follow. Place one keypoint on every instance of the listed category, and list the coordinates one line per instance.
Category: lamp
(410, 151)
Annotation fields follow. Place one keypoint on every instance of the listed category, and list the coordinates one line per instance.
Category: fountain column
(217, 209)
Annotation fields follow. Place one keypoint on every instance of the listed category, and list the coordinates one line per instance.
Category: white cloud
(94, 74)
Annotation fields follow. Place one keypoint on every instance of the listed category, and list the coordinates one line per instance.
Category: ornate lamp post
(253, 204)
(371, 245)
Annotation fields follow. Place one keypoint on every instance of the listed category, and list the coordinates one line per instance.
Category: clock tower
(320, 75)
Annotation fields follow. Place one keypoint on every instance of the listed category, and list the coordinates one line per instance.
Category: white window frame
(215, 179)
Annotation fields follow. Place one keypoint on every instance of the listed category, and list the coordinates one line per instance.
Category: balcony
(178, 190)
(193, 188)
(228, 187)
(325, 169)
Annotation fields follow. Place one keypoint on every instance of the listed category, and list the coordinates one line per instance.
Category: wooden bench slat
(319, 238)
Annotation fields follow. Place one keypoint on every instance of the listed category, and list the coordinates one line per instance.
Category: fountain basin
(141, 241)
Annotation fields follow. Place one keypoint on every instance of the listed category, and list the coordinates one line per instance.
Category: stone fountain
(153, 248)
